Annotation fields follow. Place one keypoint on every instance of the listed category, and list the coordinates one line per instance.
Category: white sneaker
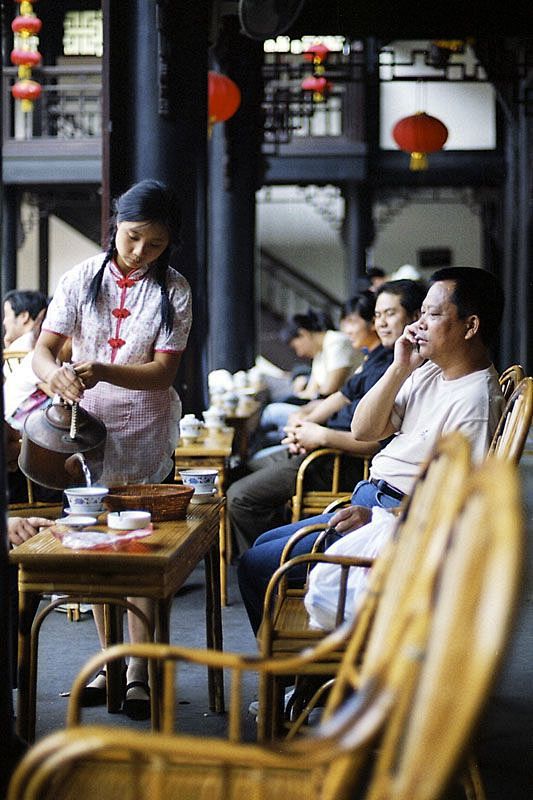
(253, 708)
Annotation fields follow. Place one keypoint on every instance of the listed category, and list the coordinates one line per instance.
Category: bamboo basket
(163, 500)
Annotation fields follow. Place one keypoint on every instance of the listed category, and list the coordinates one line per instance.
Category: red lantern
(224, 98)
(25, 58)
(317, 53)
(29, 25)
(418, 135)
(319, 86)
(26, 90)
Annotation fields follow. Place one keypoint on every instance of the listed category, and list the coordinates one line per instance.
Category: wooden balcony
(60, 140)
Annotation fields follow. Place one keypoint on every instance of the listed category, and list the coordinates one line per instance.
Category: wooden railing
(285, 292)
(69, 107)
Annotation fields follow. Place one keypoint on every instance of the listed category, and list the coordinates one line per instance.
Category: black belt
(387, 489)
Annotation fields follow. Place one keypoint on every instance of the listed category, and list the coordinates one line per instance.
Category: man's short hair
(375, 272)
(362, 304)
(411, 293)
(26, 300)
(478, 292)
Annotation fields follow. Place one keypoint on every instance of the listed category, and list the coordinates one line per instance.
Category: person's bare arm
(372, 417)
(70, 381)
(334, 380)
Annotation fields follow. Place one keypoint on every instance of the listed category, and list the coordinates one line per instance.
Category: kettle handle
(58, 400)
(74, 421)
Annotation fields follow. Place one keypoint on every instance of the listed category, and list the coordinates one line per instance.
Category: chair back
(513, 428)
(307, 502)
(456, 652)
(420, 544)
(12, 360)
(509, 380)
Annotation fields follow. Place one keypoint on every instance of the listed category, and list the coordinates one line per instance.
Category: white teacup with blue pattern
(202, 480)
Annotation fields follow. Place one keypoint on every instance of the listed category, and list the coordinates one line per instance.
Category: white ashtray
(76, 521)
(128, 520)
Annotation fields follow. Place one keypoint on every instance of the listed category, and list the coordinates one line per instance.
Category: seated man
(258, 501)
(23, 314)
(441, 379)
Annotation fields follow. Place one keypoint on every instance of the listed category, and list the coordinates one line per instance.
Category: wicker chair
(12, 359)
(510, 378)
(285, 627)
(431, 656)
(308, 502)
(513, 428)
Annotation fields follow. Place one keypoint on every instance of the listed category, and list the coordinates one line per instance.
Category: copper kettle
(53, 440)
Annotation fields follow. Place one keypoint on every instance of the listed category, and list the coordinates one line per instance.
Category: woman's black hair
(313, 321)
(362, 304)
(146, 201)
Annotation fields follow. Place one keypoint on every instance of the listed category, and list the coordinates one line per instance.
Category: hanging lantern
(319, 86)
(317, 54)
(27, 25)
(27, 91)
(25, 58)
(223, 99)
(25, 54)
(418, 135)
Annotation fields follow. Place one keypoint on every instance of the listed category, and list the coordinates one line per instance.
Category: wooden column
(234, 166)
(155, 107)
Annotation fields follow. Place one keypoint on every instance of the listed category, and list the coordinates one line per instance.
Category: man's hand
(350, 518)
(405, 349)
(20, 529)
(307, 436)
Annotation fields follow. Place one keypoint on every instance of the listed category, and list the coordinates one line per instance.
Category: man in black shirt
(258, 502)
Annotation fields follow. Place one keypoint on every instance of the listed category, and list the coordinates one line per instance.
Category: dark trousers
(258, 502)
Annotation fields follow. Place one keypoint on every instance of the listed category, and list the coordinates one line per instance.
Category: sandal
(94, 695)
(137, 708)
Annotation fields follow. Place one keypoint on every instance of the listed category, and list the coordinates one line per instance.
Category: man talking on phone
(441, 379)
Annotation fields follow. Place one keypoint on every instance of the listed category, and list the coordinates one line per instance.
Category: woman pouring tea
(128, 313)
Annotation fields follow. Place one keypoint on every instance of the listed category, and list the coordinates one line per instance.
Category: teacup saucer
(204, 497)
(76, 512)
(77, 521)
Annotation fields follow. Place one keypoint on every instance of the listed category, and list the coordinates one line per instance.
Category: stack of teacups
(190, 428)
(215, 418)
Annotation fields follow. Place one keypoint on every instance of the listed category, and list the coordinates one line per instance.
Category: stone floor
(505, 735)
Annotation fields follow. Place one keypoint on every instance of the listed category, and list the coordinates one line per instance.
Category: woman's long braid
(160, 275)
(96, 283)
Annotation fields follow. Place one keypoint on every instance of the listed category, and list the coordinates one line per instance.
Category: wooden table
(244, 425)
(154, 567)
(212, 450)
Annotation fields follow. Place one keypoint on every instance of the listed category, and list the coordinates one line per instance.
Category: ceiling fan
(265, 19)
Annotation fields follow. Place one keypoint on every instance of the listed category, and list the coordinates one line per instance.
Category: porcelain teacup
(190, 427)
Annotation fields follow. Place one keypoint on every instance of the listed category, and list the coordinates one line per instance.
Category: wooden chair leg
(225, 556)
